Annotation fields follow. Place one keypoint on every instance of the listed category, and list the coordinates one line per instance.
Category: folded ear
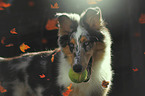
(92, 18)
(64, 23)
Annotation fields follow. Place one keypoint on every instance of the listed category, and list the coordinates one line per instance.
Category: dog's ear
(92, 18)
(64, 23)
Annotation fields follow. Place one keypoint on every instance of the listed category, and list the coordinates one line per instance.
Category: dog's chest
(79, 89)
(83, 89)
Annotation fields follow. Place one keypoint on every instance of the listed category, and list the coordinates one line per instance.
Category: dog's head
(81, 38)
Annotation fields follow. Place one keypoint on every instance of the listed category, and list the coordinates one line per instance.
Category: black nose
(77, 68)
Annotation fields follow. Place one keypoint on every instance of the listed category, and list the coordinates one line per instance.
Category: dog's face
(81, 39)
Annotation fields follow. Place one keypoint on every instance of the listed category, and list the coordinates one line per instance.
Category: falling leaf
(105, 84)
(31, 3)
(4, 5)
(135, 69)
(48, 79)
(9, 45)
(51, 24)
(13, 31)
(55, 6)
(69, 87)
(67, 92)
(44, 40)
(42, 76)
(137, 34)
(52, 58)
(2, 89)
(3, 40)
(1, 8)
(142, 19)
(24, 47)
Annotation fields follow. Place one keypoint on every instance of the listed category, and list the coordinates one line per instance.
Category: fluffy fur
(84, 43)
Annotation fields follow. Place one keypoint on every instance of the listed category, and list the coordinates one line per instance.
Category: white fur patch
(39, 91)
(64, 66)
(80, 31)
(19, 89)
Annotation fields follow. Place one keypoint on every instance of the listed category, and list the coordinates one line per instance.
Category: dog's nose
(77, 68)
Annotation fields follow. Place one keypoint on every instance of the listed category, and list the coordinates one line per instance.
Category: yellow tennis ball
(77, 77)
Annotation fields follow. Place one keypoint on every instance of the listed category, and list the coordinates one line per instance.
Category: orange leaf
(105, 84)
(69, 87)
(2, 89)
(9, 45)
(3, 4)
(52, 58)
(137, 34)
(142, 19)
(13, 31)
(51, 24)
(42, 76)
(6, 5)
(1, 8)
(67, 92)
(48, 79)
(24, 47)
(44, 41)
(3, 39)
(31, 3)
(135, 69)
(55, 6)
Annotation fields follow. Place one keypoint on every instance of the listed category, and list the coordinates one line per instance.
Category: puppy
(84, 44)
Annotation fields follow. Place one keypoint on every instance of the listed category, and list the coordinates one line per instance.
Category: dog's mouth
(89, 70)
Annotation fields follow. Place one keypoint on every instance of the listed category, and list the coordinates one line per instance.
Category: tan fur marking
(83, 39)
(100, 46)
(70, 56)
(99, 50)
(66, 50)
(73, 41)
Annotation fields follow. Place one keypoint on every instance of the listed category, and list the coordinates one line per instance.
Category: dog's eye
(86, 43)
(71, 45)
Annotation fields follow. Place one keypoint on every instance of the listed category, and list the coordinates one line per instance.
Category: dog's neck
(63, 78)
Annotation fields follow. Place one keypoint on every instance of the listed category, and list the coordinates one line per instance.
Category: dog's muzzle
(77, 67)
(89, 70)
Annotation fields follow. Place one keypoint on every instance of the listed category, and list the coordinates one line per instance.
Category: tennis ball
(77, 77)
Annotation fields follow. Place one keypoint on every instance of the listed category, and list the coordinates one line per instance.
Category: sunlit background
(29, 25)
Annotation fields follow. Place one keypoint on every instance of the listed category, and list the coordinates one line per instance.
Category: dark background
(124, 20)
